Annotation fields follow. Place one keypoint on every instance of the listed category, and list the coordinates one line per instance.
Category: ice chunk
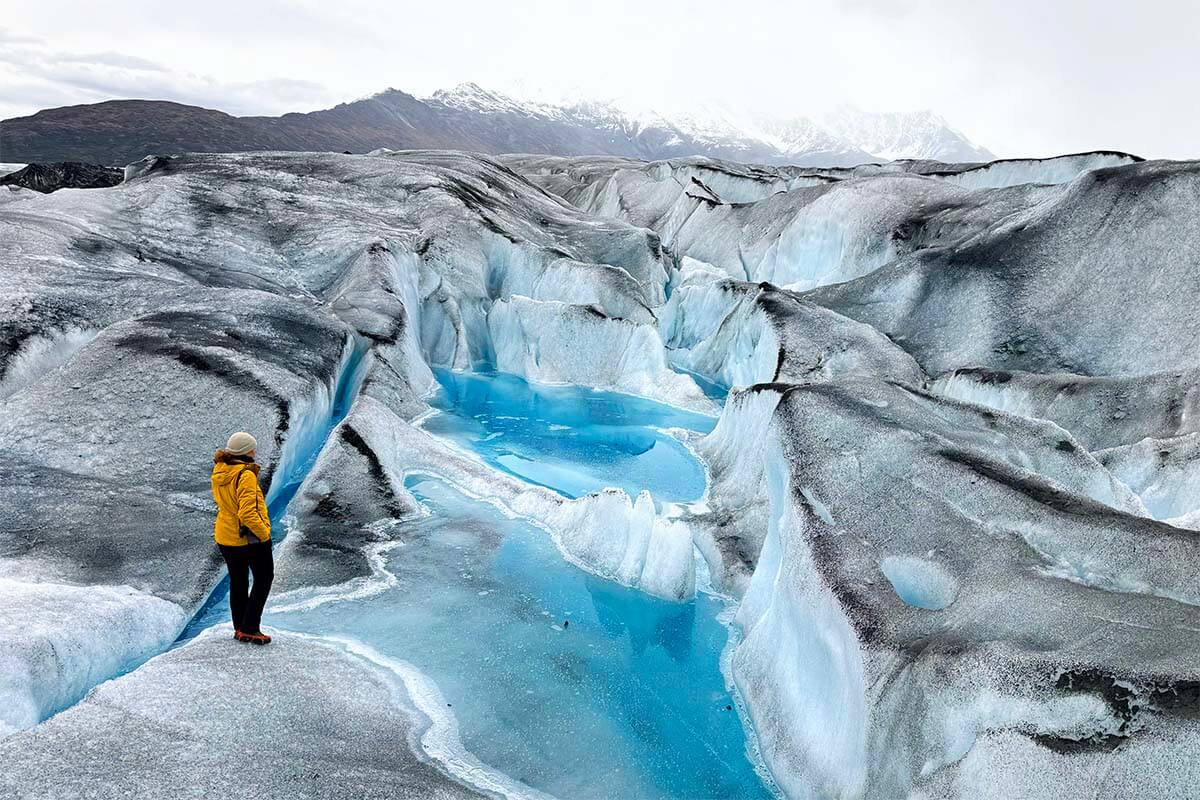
(39, 355)
(627, 541)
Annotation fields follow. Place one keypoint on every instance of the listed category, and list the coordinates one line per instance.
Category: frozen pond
(570, 439)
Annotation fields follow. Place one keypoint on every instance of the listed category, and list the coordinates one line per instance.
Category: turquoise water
(567, 682)
(570, 439)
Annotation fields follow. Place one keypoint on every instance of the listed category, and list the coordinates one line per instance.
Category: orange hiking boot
(254, 638)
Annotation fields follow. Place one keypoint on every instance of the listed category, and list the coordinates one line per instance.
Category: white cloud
(33, 76)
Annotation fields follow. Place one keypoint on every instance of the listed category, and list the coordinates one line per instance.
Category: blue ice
(920, 582)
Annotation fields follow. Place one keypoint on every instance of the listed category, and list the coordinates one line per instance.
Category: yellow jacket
(241, 509)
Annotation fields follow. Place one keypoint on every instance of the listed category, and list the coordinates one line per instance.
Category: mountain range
(469, 117)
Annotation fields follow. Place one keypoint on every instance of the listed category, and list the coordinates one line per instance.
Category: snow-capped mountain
(846, 136)
(903, 134)
(474, 98)
(471, 117)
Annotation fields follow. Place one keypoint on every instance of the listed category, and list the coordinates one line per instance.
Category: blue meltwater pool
(566, 682)
(568, 438)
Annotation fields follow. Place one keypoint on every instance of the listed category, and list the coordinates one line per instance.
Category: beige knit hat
(240, 443)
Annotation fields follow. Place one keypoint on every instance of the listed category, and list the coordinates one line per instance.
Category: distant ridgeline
(469, 118)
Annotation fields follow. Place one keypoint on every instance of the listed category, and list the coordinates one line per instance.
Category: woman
(243, 532)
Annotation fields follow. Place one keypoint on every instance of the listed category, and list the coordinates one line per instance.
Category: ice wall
(555, 342)
(630, 543)
(50, 653)
(714, 328)
(730, 533)
(1011, 172)
(913, 548)
(799, 667)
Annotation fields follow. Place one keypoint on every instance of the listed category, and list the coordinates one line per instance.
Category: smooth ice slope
(145, 734)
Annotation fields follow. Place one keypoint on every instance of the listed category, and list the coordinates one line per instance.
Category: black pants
(242, 561)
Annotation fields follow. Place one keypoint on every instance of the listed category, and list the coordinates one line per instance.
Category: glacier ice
(40, 354)
(952, 488)
(1015, 171)
(606, 532)
(913, 513)
(1033, 285)
(72, 462)
(1164, 473)
(1101, 411)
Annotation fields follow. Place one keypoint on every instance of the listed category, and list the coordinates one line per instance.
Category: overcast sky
(1021, 77)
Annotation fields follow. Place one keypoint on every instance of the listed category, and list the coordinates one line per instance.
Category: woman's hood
(226, 467)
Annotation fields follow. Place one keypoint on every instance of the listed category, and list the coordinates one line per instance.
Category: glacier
(866, 482)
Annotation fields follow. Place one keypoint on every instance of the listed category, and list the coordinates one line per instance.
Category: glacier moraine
(604, 478)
